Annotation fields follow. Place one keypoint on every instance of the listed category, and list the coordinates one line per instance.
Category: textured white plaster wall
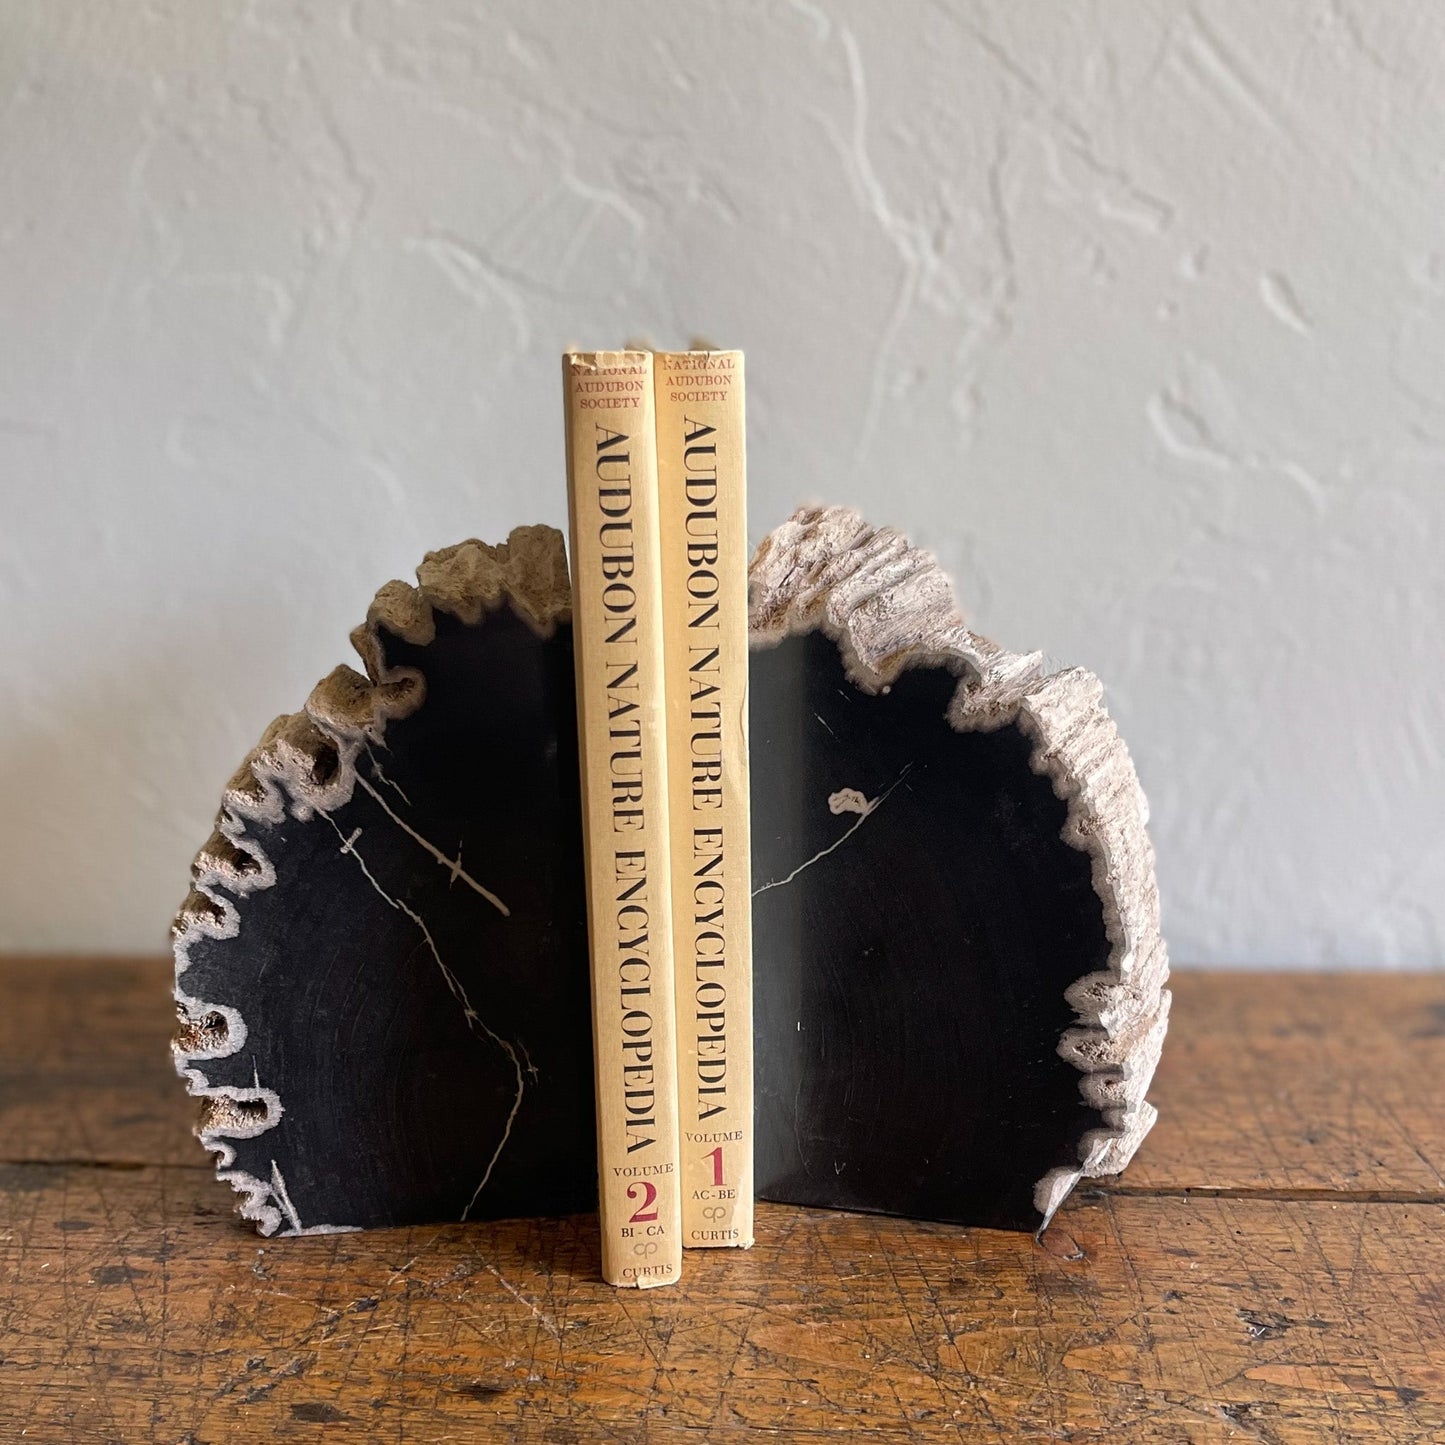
(1134, 312)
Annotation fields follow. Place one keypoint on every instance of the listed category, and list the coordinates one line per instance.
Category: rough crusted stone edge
(888, 606)
(305, 764)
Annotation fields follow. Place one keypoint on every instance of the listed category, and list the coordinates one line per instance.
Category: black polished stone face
(910, 960)
(395, 1103)
(917, 918)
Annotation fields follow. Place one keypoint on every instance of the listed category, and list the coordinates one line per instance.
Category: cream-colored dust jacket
(617, 636)
(702, 478)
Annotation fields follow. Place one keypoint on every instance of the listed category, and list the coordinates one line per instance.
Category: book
(612, 504)
(701, 470)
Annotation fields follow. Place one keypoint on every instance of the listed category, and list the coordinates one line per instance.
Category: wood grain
(85, 1069)
(1270, 1269)
(135, 1309)
(1300, 1082)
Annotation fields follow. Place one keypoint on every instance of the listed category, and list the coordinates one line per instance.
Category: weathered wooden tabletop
(1271, 1268)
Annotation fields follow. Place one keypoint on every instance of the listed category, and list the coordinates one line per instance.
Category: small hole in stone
(324, 766)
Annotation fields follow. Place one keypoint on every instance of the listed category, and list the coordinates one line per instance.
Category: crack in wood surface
(866, 811)
(1285, 1195)
(385, 778)
(452, 865)
(454, 985)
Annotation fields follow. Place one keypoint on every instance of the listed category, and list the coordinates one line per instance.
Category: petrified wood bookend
(959, 971)
(381, 969)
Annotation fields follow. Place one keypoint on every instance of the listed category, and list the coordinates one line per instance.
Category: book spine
(702, 476)
(617, 638)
